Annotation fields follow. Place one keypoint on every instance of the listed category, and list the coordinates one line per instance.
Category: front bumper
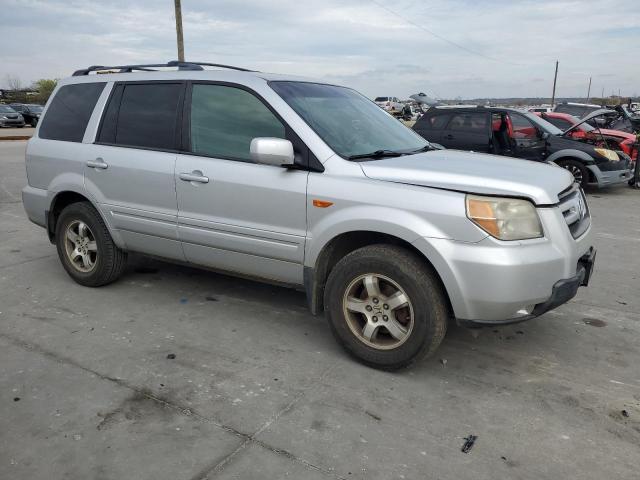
(497, 282)
(610, 177)
(11, 123)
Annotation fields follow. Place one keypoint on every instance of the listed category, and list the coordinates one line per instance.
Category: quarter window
(69, 112)
(224, 120)
(473, 122)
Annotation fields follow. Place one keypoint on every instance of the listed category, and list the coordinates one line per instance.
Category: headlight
(504, 218)
(608, 154)
(4, 118)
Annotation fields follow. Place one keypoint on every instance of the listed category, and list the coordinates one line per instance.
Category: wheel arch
(65, 198)
(587, 165)
(315, 277)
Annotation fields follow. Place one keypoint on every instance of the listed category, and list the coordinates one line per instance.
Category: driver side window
(523, 128)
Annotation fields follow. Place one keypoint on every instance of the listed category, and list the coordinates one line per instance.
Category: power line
(440, 37)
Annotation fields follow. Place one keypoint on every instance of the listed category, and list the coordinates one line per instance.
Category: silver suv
(308, 185)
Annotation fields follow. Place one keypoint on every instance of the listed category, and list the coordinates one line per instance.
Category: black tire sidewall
(426, 300)
(88, 215)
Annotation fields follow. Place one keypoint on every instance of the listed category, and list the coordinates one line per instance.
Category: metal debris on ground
(469, 442)
(171, 356)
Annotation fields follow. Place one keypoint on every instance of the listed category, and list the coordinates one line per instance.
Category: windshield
(35, 108)
(381, 99)
(5, 109)
(543, 124)
(348, 122)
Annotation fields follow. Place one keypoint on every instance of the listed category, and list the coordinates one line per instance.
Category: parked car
(540, 109)
(29, 111)
(581, 110)
(510, 132)
(600, 137)
(390, 104)
(308, 185)
(10, 118)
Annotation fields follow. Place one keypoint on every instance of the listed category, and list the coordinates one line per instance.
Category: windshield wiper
(376, 154)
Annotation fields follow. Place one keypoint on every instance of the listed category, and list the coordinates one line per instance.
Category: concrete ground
(258, 388)
(24, 132)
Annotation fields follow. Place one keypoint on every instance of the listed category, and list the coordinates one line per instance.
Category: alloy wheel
(378, 311)
(80, 246)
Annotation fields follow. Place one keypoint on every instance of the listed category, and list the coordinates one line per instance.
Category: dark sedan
(29, 111)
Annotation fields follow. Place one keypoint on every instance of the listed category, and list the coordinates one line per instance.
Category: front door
(129, 170)
(526, 138)
(233, 214)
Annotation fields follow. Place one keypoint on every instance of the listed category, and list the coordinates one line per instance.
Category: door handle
(195, 176)
(97, 163)
(448, 137)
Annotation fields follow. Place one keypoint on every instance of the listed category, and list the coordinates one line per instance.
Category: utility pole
(589, 90)
(553, 95)
(179, 30)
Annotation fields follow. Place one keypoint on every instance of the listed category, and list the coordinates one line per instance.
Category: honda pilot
(304, 184)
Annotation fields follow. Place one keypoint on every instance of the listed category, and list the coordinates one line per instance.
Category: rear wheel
(577, 169)
(86, 248)
(385, 306)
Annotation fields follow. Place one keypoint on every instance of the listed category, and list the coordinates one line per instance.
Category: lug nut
(385, 306)
(375, 300)
(368, 307)
(375, 319)
(385, 318)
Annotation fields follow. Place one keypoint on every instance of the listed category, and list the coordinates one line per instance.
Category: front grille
(575, 211)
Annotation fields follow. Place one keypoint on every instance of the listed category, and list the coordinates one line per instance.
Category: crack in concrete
(219, 465)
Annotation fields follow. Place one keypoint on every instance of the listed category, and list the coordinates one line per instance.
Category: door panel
(136, 193)
(248, 218)
(527, 139)
(467, 131)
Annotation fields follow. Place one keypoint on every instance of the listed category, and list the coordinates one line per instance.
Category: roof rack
(152, 67)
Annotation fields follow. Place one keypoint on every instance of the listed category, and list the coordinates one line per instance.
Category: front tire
(385, 306)
(578, 170)
(85, 247)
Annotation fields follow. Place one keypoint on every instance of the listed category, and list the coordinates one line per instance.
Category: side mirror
(272, 151)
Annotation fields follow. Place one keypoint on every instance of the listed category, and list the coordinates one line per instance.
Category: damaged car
(513, 133)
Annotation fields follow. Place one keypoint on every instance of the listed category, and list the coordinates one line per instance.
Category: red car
(627, 142)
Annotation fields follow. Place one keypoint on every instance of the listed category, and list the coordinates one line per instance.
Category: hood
(474, 173)
(586, 118)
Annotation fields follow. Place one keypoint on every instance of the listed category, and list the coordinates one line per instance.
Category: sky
(447, 49)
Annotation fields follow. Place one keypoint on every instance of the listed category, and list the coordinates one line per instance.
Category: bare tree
(13, 82)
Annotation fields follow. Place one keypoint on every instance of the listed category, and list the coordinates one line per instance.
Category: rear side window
(143, 115)
(432, 122)
(561, 123)
(471, 122)
(224, 120)
(69, 112)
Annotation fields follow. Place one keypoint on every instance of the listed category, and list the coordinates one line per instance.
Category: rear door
(431, 125)
(130, 168)
(468, 131)
(234, 214)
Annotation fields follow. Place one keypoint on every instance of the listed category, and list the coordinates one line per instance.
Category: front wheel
(577, 169)
(385, 306)
(85, 247)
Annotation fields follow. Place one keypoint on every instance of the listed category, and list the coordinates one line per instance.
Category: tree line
(38, 92)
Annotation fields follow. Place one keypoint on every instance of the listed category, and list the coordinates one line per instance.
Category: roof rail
(152, 67)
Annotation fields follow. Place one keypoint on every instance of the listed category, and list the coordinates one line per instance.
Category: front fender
(571, 153)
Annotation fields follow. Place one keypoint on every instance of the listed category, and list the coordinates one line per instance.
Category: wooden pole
(589, 90)
(553, 95)
(178, 7)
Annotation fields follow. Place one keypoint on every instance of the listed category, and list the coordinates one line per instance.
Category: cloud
(384, 50)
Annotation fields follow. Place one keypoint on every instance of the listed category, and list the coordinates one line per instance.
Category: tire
(104, 262)
(577, 169)
(423, 319)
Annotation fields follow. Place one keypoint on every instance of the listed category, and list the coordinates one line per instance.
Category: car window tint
(561, 123)
(522, 127)
(432, 122)
(148, 115)
(224, 120)
(468, 121)
(69, 112)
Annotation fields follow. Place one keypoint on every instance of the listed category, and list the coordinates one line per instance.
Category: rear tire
(578, 170)
(85, 247)
(386, 307)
